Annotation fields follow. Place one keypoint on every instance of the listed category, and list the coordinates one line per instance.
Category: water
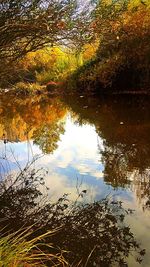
(102, 146)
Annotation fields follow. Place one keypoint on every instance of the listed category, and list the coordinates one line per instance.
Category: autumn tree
(27, 25)
(122, 60)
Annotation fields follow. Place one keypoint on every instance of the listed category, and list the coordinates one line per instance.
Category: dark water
(102, 146)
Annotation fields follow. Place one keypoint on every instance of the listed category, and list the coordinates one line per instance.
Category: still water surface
(101, 146)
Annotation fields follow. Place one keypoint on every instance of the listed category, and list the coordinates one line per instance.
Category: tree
(123, 30)
(27, 25)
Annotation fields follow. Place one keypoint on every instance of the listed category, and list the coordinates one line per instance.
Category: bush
(94, 233)
(27, 88)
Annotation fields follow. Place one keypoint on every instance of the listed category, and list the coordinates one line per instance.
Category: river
(84, 143)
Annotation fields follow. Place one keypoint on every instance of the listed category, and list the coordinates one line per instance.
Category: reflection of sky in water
(11, 153)
(77, 163)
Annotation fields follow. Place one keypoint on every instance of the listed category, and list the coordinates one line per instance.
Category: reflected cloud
(75, 158)
(60, 184)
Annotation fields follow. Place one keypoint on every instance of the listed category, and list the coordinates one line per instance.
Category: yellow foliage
(51, 63)
(89, 50)
(22, 118)
(137, 3)
(45, 58)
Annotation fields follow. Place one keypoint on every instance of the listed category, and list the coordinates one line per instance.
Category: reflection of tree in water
(141, 187)
(125, 148)
(48, 136)
(116, 165)
(126, 151)
(38, 118)
(94, 234)
(123, 124)
(121, 161)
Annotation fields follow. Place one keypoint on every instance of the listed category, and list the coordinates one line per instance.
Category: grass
(20, 249)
